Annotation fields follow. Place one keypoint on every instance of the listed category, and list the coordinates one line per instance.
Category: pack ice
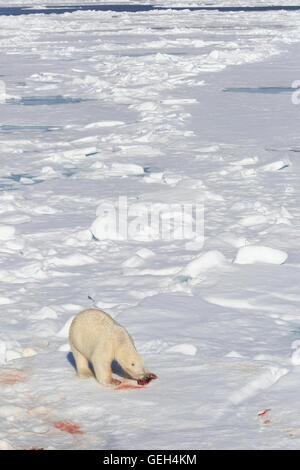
(182, 127)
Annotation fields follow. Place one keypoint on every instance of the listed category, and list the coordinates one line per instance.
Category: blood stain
(67, 426)
(11, 376)
(263, 413)
(35, 448)
(115, 381)
(126, 386)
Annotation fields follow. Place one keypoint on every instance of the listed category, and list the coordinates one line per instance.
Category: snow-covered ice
(118, 130)
(260, 254)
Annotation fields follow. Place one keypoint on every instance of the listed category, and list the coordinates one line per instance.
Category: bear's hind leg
(82, 365)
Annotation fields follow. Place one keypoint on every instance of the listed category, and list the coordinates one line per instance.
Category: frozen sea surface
(152, 3)
(159, 109)
(139, 8)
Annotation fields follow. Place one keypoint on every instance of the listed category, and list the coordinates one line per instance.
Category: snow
(187, 349)
(7, 232)
(260, 254)
(149, 168)
(295, 356)
(208, 260)
(162, 3)
(265, 380)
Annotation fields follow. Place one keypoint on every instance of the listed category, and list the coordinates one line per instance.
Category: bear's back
(89, 327)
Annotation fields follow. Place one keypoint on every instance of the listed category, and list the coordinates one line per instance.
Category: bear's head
(130, 361)
(134, 365)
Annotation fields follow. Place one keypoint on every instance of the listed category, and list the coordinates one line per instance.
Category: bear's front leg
(102, 368)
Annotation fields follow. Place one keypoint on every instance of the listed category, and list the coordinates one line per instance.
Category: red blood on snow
(125, 385)
(35, 448)
(67, 426)
(11, 376)
(264, 412)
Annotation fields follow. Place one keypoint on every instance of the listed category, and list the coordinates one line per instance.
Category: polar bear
(94, 336)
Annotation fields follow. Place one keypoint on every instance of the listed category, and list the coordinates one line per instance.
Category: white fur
(97, 338)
